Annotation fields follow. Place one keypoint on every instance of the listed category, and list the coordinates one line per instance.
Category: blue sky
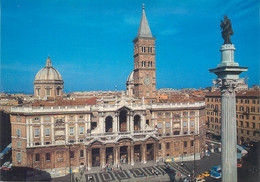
(90, 42)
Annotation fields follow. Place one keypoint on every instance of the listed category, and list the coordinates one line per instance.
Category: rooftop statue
(226, 30)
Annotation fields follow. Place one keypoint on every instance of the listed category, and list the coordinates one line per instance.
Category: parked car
(5, 165)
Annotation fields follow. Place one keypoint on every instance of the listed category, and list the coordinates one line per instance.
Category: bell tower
(144, 62)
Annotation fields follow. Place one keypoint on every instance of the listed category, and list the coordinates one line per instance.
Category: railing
(110, 134)
(104, 107)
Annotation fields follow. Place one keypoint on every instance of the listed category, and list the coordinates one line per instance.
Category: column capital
(227, 86)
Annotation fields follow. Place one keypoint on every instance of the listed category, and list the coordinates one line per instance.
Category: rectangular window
(247, 132)
(242, 131)
(37, 157)
(18, 157)
(167, 125)
(18, 144)
(81, 153)
(192, 143)
(18, 119)
(185, 144)
(147, 121)
(192, 124)
(168, 145)
(71, 130)
(36, 133)
(241, 123)
(81, 130)
(93, 125)
(247, 124)
(159, 125)
(48, 156)
(18, 132)
(72, 154)
(47, 132)
(185, 124)
(253, 125)
(160, 146)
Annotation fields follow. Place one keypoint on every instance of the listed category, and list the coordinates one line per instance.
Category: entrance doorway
(137, 153)
(123, 155)
(122, 121)
(150, 152)
(109, 156)
(95, 157)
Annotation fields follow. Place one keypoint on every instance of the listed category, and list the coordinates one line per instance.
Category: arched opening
(109, 124)
(137, 123)
(122, 121)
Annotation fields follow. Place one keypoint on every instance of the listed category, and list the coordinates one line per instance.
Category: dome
(48, 73)
(130, 77)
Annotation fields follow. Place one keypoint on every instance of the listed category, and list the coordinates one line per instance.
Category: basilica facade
(54, 133)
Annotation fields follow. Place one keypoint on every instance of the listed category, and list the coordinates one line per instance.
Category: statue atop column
(226, 30)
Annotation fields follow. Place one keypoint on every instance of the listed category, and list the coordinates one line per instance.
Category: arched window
(109, 124)
(137, 123)
(216, 120)
(212, 106)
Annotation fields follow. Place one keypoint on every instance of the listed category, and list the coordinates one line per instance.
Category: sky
(90, 42)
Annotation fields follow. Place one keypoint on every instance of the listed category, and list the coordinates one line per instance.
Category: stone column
(143, 151)
(103, 156)
(89, 154)
(128, 154)
(228, 79)
(132, 154)
(115, 155)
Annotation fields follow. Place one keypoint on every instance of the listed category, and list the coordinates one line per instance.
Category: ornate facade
(123, 129)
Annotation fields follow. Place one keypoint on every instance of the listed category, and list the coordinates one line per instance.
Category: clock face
(147, 81)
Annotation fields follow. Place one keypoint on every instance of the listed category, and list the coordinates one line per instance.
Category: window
(241, 123)
(18, 119)
(18, 144)
(47, 132)
(37, 157)
(185, 124)
(48, 156)
(159, 125)
(147, 121)
(72, 154)
(81, 117)
(81, 130)
(37, 143)
(37, 119)
(253, 117)
(71, 117)
(167, 145)
(176, 133)
(241, 101)
(241, 108)
(18, 157)
(71, 130)
(185, 144)
(192, 143)
(247, 124)
(47, 143)
(192, 124)
(247, 132)
(160, 146)
(242, 131)
(81, 140)
(253, 101)
(48, 91)
(18, 132)
(71, 141)
(253, 125)
(47, 118)
(93, 125)
(81, 153)
(159, 114)
(167, 125)
(36, 133)
(252, 109)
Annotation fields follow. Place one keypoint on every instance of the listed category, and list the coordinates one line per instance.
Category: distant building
(107, 128)
(248, 114)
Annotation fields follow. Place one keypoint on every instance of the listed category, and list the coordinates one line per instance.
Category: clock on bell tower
(144, 62)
